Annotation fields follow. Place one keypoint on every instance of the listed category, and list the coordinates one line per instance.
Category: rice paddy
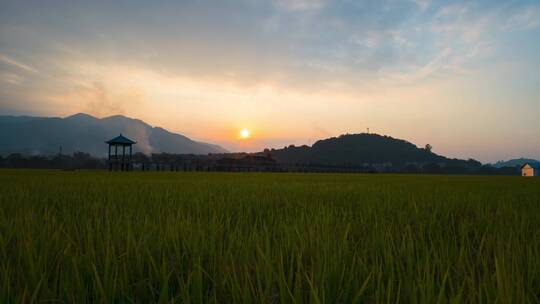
(93, 236)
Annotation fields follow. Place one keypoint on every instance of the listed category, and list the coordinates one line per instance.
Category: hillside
(358, 149)
(82, 132)
(518, 162)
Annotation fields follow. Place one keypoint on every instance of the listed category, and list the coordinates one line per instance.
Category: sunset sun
(244, 133)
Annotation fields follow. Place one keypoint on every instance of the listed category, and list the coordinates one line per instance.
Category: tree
(473, 163)
(429, 148)
(432, 168)
(411, 168)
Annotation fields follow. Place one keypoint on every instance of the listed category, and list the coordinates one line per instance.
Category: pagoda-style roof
(121, 140)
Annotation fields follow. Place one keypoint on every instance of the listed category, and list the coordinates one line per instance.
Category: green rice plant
(94, 236)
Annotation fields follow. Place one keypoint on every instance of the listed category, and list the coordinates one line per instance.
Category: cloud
(97, 96)
(299, 5)
(419, 73)
(422, 4)
(453, 41)
(11, 78)
(213, 63)
(353, 41)
(525, 18)
(10, 61)
(98, 101)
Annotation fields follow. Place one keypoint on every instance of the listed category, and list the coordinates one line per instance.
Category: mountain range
(83, 132)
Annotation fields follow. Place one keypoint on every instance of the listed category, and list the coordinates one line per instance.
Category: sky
(463, 76)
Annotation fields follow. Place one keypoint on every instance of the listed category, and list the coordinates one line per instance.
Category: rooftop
(121, 140)
(533, 165)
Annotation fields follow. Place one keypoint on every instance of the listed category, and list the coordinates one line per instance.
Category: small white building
(530, 169)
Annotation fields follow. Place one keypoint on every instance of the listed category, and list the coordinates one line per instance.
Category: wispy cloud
(13, 62)
(457, 36)
(299, 5)
(422, 4)
(11, 78)
(525, 18)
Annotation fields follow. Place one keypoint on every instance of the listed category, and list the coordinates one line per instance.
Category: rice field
(93, 236)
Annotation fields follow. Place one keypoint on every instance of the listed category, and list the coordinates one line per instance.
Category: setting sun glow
(244, 133)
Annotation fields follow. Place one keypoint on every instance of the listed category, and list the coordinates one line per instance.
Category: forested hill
(358, 149)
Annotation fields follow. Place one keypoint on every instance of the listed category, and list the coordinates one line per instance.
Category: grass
(76, 237)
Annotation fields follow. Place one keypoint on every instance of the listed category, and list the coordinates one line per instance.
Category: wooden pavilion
(121, 161)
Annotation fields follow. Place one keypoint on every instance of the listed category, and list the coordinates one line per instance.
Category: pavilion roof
(121, 140)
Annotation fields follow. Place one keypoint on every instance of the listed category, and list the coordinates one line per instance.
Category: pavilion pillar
(109, 162)
(123, 157)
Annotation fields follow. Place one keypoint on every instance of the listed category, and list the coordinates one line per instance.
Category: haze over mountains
(83, 132)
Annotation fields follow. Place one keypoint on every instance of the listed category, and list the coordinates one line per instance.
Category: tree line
(242, 162)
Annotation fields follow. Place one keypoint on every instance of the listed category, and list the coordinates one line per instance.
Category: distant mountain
(518, 162)
(82, 132)
(359, 149)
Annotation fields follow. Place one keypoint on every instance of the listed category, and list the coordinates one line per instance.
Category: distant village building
(121, 161)
(530, 169)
